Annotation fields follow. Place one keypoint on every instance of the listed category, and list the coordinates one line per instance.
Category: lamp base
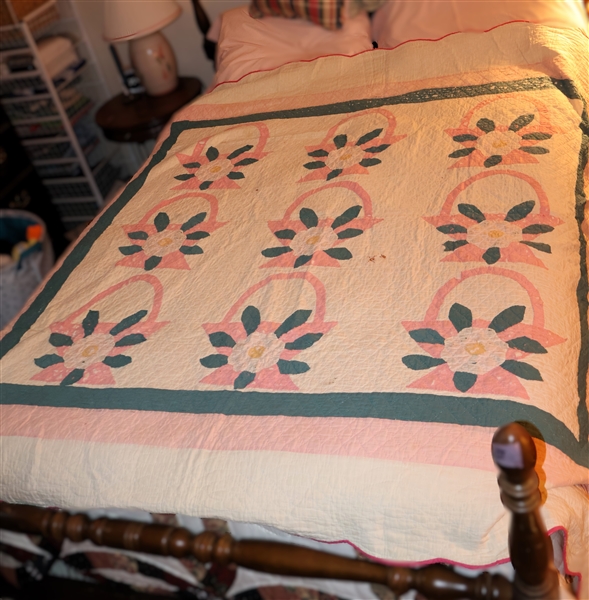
(154, 60)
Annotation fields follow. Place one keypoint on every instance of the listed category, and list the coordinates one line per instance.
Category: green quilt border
(481, 412)
(360, 405)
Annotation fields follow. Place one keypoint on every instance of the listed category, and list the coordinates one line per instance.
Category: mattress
(317, 301)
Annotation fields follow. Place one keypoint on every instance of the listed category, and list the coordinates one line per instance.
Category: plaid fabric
(326, 13)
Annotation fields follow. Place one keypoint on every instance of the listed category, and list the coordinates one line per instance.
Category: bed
(314, 305)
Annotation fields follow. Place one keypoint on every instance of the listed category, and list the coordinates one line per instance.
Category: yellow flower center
(215, 169)
(499, 144)
(346, 156)
(256, 351)
(475, 349)
(89, 351)
(313, 240)
(495, 233)
(164, 242)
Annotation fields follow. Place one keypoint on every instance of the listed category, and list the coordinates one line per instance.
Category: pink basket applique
(209, 168)
(468, 354)
(311, 241)
(256, 353)
(87, 347)
(486, 142)
(341, 154)
(157, 242)
(479, 236)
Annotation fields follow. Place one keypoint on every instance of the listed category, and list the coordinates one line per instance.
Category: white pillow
(246, 44)
(398, 21)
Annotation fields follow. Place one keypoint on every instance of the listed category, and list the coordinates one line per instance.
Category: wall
(183, 35)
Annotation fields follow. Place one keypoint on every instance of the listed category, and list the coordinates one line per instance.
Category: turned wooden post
(433, 581)
(530, 548)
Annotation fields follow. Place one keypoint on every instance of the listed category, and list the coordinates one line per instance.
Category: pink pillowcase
(401, 20)
(246, 44)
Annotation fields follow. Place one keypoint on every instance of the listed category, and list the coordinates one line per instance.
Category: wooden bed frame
(530, 548)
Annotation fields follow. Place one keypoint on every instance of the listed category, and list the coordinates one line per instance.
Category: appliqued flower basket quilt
(319, 298)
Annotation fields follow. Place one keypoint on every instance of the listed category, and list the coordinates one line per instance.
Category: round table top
(138, 119)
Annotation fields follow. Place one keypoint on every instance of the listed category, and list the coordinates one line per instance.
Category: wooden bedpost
(433, 581)
(530, 548)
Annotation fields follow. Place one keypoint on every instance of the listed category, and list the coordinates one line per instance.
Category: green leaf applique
(507, 318)
(250, 319)
(304, 342)
(60, 339)
(89, 323)
(128, 322)
(367, 137)
(214, 361)
(48, 360)
(464, 381)
(243, 380)
(298, 318)
(308, 217)
(212, 153)
(72, 377)
(460, 316)
(472, 212)
(220, 339)
(521, 122)
(526, 344)
(426, 336)
(118, 361)
(194, 221)
(292, 367)
(348, 215)
(419, 362)
(522, 370)
(520, 211)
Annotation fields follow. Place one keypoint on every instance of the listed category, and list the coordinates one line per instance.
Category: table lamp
(139, 23)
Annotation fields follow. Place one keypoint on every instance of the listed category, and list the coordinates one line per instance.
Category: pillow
(327, 13)
(399, 21)
(246, 44)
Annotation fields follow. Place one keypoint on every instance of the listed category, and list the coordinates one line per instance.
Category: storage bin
(20, 278)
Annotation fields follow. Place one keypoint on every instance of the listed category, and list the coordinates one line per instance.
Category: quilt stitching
(423, 95)
(477, 236)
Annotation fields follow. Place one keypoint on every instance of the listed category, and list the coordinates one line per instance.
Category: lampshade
(130, 19)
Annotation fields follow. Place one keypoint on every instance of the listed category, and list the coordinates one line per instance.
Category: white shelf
(32, 120)
(70, 77)
(61, 153)
(64, 180)
(21, 75)
(31, 98)
(44, 162)
(80, 200)
(4, 54)
(45, 140)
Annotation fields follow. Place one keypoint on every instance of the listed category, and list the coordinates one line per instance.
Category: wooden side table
(129, 119)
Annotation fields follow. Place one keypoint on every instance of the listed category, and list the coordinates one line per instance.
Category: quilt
(318, 299)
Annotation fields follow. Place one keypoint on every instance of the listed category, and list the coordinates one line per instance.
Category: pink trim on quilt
(400, 441)
(474, 31)
(308, 60)
(202, 110)
(430, 561)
